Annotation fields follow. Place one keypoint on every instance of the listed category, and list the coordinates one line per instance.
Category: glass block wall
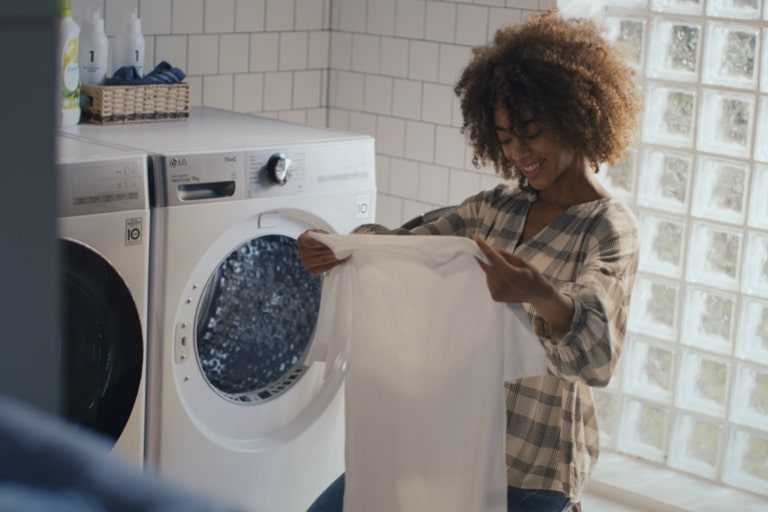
(692, 388)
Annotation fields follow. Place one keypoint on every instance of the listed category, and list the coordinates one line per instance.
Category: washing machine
(236, 408)
(103, 229)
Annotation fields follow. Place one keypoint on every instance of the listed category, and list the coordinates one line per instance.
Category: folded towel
(163, 73)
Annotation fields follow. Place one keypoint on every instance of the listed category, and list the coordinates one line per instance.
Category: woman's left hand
(509, 277)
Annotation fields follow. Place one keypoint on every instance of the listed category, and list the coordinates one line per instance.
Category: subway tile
(309, 14)
(450, 146)
(472, 25)
(187, 17)
(279, 15)
(115, 13)
(390, 136)
(394, 57)
(381, 17)
(217, 91)
(378, 94)
(404, 178)
(407, 99)
(149, 53)
(341, 50)
(365, 53)
(462, 184)
(440, 22)
(349, 90)
(436, 104)
(500, 18)
(293, 116)
(249, 15)
(362, 122)
(419, 141)
(203, 54)
(233, 53)
(338, 119)
(264, 52)
(452, 61)
(195, 90)
(319, 50)
(423, 61)
(409, 19)
(155, 16)
(349, 15)
(317, 117)
(249, 92)
(307, 87)
(388, 210)
(277, 90)
(493, 3)
(219, 16)
(293, 50)
(488, 178)
(433, 184)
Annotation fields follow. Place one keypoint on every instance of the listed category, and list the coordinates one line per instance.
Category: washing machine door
(103, 344)
(256, 318)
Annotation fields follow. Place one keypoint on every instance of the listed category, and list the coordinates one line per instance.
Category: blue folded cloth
(163, 73)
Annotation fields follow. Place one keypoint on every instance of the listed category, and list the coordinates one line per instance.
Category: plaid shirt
(589, 253)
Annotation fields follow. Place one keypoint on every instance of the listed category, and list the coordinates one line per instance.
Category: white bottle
(129, 45)
(68, 73)
(94, 49)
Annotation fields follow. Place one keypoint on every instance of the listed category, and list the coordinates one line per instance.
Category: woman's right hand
(316, 257)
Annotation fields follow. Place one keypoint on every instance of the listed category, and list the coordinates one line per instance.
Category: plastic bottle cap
(93, 21)
(65, 10)
(133, 24)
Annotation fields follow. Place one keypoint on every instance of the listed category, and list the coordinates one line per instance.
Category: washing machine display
(256, 318)
(103, 218)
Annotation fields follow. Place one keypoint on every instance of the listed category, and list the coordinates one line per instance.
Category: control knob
(279, 168)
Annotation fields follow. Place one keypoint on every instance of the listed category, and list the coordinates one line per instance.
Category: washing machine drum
(103, 346)
(256, 320)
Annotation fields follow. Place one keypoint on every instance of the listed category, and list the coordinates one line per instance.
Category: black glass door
(256, 319)
(103, 345)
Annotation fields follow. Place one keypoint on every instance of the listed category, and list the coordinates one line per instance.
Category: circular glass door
(103, 342)
(256, 319)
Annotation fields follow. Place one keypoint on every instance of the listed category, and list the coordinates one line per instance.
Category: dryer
(235, 407)
(103, 229)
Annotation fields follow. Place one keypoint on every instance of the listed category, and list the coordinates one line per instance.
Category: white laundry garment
(427, 351)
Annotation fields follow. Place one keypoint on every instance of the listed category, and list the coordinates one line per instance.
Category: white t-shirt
(427, 352)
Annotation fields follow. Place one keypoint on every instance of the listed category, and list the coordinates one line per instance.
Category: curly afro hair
(563, 73)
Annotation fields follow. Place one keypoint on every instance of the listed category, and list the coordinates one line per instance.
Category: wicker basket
(114, 104)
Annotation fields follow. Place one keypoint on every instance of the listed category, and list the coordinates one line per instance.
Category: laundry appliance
(103, 229)
(236, 408)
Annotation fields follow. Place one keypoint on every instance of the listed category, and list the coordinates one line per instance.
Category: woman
(546, 102)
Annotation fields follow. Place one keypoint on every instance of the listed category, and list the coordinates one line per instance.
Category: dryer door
(103, 345)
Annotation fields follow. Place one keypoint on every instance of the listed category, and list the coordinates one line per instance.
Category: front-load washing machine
(235, 407)
(103, 230)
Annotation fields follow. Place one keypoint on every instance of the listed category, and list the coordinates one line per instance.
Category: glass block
(714, 254)
(761, 144)
(747, 462)
(651, 374)
(720, 190)
(725, 124)
(665, 180)
(758, 206)
(752, 338)
(703, 384)
(696, 445)
(654, 307)
(731, 55)
(749, 403)
(678, 6)
(662, 244)
(756, 264)
(629, 34)
(619, 178)
(669, 116)
(710, 320)
(744, 9)
(643, 430)
(607, 407)
(674, 50)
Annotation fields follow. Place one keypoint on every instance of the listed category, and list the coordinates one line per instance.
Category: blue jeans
(518, 500)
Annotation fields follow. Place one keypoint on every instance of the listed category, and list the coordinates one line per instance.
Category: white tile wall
(381, 67)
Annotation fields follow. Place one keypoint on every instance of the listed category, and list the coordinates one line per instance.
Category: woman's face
(534, 149)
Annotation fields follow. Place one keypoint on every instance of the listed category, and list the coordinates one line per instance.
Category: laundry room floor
(595, 503)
